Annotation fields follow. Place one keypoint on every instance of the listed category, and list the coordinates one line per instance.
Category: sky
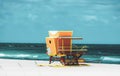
(28, 21)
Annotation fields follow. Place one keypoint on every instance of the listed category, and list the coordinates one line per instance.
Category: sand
(11, 67)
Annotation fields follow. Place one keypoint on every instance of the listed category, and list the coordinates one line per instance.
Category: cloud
(105, 21)
(32, 16)
(90, 18)
(115, 17)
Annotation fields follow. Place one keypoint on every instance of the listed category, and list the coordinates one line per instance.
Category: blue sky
(28, 21)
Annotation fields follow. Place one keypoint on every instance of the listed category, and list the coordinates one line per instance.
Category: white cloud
(115, 17)
(32, 16)
(90, 18)
(106, 21)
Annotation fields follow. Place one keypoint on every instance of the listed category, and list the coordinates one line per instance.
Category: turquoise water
(96, 53)
(31, 55)
(22, 54)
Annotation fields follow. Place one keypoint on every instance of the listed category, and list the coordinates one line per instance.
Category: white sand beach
(11, 67)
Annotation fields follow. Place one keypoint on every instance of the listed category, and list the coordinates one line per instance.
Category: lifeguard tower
(60, 47)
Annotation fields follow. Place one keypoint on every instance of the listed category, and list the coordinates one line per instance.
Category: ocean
(97, 53)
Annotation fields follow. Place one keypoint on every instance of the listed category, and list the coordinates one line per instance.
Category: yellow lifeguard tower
(59, 47)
